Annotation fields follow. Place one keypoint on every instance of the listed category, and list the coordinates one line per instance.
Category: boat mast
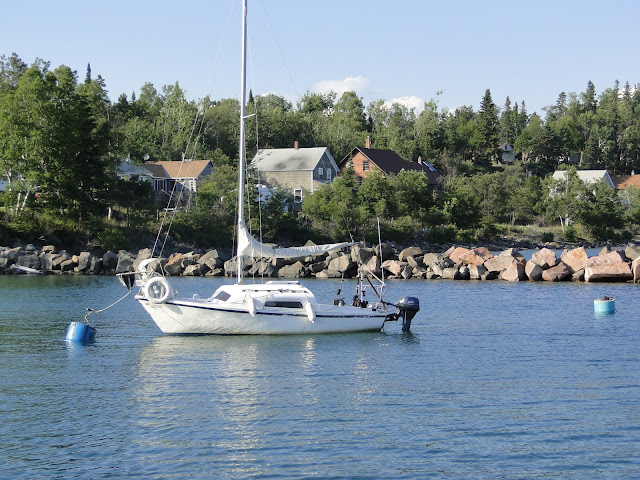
(242, 157)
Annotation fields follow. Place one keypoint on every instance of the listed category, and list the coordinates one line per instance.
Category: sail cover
(250, 247)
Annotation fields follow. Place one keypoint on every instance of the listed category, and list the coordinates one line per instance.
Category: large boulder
(342, 264)
(409, 252)
(545, 258)
(458, 253)
(196, 270)
(297, 270)
(109, 261)
(608, 272)
(557, 273)
(388, 252)
(143, 254)
(361, 255)
(632, 251)
(125, 262)
(613, 256)
(58, 259)
(84, 262)
(395, 267)
(31, 260)
(174, 264)
(328, 274)
(501, 262)
(635, 270)
(576, 258)
(431, 259)
(514, 272)
(477, 272)
(511, 252)
(373, 265)
(533, 271)
(212, 259)
(476, 256)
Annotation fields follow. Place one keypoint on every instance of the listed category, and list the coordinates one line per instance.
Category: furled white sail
(250, 247)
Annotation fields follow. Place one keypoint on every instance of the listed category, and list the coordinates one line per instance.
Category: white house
(588, 177)
(508, 154)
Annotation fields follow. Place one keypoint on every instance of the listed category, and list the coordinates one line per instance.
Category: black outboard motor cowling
(407, 309)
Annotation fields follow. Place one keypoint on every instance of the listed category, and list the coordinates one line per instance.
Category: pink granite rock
(477, 256)
(558, 273)
(533, 271)
(576, 259)
(457, 255)
(635, 270)
(514, 272)
(545, 258)
(608, 272)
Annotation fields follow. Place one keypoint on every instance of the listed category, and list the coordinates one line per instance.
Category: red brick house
(367, 160)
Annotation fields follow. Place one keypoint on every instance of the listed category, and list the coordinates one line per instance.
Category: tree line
(61, 138)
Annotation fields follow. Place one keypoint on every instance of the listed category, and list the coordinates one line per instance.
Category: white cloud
(360, 85)
(409, 102)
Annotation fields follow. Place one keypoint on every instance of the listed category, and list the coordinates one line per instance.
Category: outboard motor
(407, 309)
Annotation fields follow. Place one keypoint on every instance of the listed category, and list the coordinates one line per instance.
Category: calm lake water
(496, 380)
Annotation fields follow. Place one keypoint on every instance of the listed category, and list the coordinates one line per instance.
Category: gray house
(295, 169)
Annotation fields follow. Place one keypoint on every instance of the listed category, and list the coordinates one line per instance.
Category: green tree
(485, 137)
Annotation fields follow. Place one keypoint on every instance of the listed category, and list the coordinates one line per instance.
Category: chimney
(295, 145)
(420, 160)
(367, 142)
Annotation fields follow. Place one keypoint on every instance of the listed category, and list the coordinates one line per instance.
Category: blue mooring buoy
(80, 332)
(604, 305)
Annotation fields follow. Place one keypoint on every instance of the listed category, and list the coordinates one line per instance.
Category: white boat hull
(201, 317)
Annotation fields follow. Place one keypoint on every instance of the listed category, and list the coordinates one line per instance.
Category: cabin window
(297, 195)
(222, 296)
(283, 304)
(320, 172)
(365, 166)
(329, 171)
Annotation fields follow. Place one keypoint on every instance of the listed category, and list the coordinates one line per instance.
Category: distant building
(588, 177)
(127, 170)
(295, 169)
(508, 154)
(367, 160)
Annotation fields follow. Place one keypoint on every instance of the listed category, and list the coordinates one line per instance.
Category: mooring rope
(91, 310)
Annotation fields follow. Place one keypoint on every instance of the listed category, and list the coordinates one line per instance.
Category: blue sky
(400, 49)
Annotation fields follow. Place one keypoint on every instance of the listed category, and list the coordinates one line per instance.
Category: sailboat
(272, 307)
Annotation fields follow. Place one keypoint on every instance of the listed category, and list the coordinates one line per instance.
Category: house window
(329, 171)
(320, 172)
(359, 180)
(297, 195)
(365, 166)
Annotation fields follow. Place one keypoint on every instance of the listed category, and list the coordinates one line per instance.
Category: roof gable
(290, 159)
(186, 169)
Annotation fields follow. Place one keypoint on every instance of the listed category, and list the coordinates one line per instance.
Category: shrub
(113, 239)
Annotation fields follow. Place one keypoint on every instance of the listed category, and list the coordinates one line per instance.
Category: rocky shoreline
(455, 263)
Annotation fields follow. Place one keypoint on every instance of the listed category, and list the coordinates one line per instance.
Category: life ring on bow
(157, 290)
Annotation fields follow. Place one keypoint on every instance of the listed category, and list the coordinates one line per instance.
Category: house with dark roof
(367, 160)
(295, 169)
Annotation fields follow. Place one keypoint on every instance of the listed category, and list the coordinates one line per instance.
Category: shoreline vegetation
(453, 262)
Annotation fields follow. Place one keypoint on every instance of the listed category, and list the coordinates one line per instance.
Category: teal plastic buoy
(604, 305)
(80, 332)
